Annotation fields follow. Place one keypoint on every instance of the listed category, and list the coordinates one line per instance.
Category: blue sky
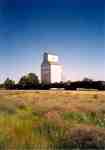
(73, 29)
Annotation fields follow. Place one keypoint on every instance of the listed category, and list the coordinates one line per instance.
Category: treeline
(31, 82)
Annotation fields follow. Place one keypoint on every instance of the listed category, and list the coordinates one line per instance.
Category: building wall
(56, 73)
(52, 58)
(45, 73)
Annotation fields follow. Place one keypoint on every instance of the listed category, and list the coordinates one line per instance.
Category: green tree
(32, 79)
(87, 79)
(9, 84)
(29, 81)
(23, 82)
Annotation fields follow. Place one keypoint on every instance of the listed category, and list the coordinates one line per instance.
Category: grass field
(52, 120)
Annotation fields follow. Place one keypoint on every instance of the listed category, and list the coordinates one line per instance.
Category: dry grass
(29, 119)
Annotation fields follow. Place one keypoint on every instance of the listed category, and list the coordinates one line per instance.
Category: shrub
(83, 138)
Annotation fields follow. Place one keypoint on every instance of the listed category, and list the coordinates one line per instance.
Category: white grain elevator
(51, 70)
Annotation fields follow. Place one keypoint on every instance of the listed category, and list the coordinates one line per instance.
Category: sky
(73, 29)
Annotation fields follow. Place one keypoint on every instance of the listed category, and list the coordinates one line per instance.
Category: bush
(83, 138)
(9, 84)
